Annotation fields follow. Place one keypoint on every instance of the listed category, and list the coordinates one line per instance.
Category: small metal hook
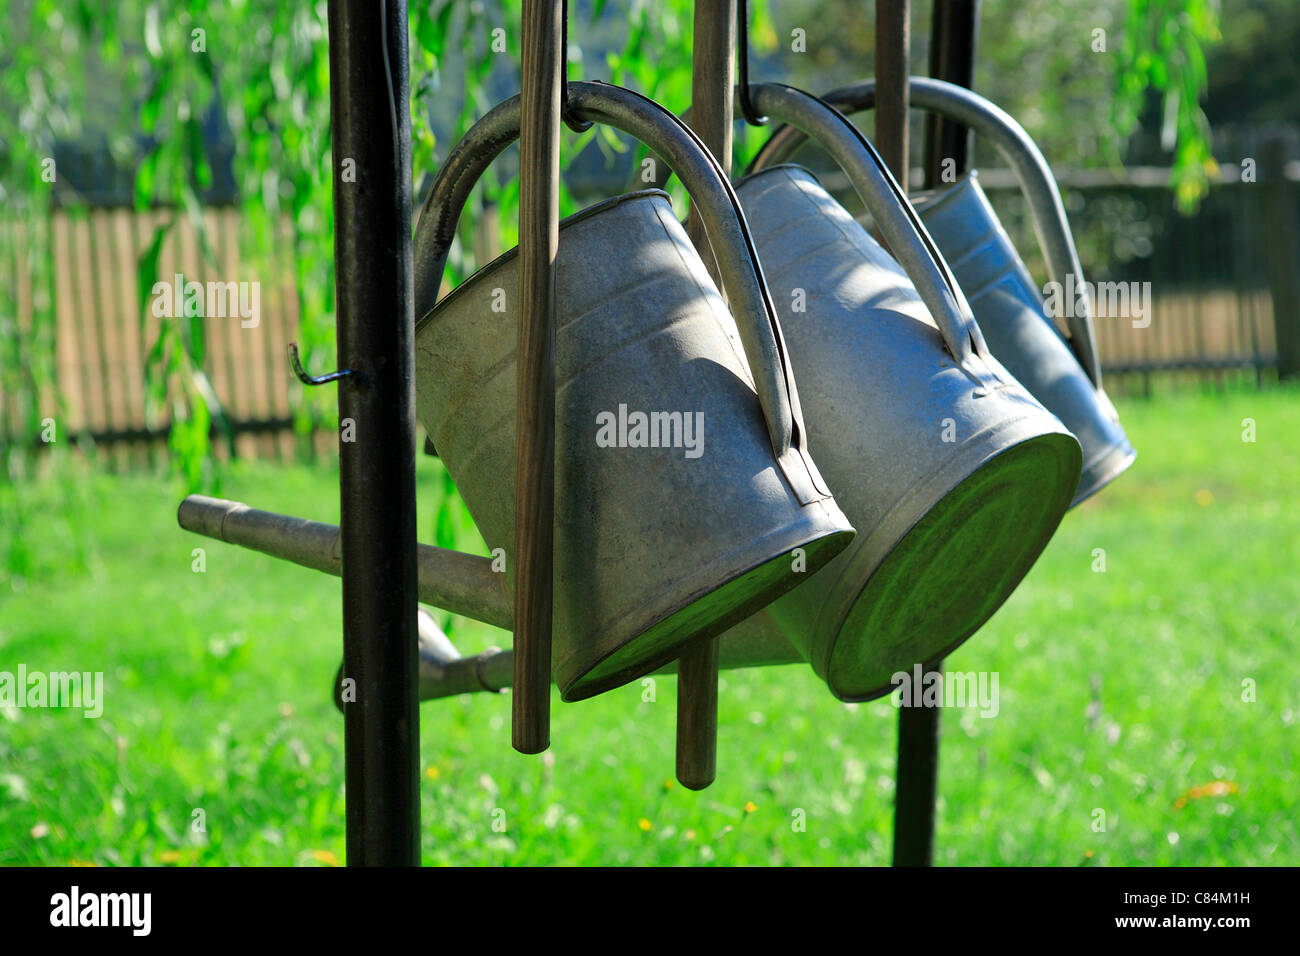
(742, 65)
(296, 364)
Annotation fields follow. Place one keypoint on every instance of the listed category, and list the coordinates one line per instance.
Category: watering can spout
(461, 583)
(445, 673)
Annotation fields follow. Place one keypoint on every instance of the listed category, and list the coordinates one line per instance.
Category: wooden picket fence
(103, 336)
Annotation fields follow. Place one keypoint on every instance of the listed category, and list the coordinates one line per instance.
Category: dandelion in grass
(1215, 788)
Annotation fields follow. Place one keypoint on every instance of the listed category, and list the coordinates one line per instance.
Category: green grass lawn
(1121, 696)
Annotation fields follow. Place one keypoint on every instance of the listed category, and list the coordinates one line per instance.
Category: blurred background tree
(196, 101)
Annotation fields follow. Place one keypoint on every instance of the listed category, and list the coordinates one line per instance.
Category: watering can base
(1105, 469)
(746, 592)
(949, 521)
(920, 603)
(1012, 316)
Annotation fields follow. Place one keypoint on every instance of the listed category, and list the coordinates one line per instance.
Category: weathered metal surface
(1063, 373)
(655, 546)
(954, 475)
(708, 186)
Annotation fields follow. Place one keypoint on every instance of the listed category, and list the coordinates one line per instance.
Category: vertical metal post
(917, 783)
(539, 184)
(713, 61)
(952, 57)
(713, 64)
(918, 728)
(953, 37)
(376, 338)
(893, 34)
(1282, 251)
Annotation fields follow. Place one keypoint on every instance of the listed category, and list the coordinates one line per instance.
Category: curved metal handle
(902, 229)
(724, 224)
(1021, 153)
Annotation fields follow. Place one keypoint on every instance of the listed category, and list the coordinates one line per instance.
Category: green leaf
(153, 32)
(146, 175)
(146, 268)
(199, 166)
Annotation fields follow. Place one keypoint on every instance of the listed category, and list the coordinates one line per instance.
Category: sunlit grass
(1121, 695)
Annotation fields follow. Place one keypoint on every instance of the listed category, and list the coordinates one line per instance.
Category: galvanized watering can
(1063, 373)
(953, 474)
(683, 480)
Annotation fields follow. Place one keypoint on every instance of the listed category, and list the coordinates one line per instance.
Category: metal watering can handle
(902, 229)
(724, 224)
(1032, 171)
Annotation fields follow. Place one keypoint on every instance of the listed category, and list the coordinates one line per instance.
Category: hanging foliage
(1163, 52)
(144, 77)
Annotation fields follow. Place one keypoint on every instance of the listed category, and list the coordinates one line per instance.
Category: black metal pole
(917, 782)
(376, 335)
(893, 31)
(918, 728)
(953, 38)
(952, 57)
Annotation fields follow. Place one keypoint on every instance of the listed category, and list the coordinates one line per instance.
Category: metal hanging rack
(374, 550)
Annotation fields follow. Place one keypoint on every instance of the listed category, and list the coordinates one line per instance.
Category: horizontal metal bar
(460, 583)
